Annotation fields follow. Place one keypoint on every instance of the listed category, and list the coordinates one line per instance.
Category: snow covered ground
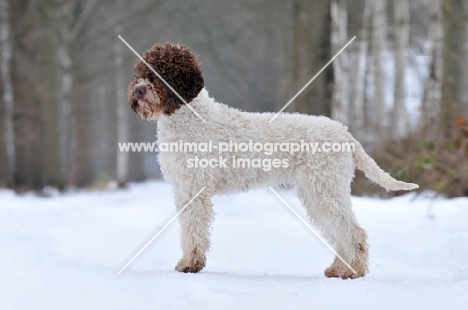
(64, 253)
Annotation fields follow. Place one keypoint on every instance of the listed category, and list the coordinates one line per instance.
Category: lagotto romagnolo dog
(322, 179)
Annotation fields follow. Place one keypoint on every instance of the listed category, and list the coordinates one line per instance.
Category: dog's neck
(202, 99)
(184, 116)
(200, 104)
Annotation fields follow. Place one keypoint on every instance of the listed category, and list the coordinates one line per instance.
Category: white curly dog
(230, 164)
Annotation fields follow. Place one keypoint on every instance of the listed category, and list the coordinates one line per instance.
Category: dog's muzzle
(140, 91)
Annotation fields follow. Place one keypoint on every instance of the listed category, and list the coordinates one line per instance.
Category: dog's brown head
(178, 65)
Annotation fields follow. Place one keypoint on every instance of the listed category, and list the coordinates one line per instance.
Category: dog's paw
(339, 270)
(332, 272)
(192, 265)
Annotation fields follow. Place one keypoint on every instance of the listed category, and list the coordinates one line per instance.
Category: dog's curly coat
(322, 179)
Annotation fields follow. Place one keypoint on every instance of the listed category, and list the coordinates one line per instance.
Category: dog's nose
(140, 91)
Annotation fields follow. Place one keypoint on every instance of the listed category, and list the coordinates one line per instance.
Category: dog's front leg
(195, 222)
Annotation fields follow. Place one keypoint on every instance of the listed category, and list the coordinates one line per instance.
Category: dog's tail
(372, 171)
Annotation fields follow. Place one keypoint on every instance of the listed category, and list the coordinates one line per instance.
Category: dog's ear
(191, 81)
(169, 101)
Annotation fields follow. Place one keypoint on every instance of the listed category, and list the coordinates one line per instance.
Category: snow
(64, 252)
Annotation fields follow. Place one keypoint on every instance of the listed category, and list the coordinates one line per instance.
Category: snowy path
(64, 253)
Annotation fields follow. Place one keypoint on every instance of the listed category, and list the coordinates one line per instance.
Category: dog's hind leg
(329, 208)
(195, 223)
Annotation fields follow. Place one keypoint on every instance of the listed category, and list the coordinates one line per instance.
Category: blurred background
(401, 86)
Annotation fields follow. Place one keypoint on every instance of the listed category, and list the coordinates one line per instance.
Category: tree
(357, 102)
(311, 51)
(7, 83)
(70, 20)
(433, 87)
(379, 37)
(123, 129)
(339, 37)
(401, 33)
(28, 91)
(455, 65)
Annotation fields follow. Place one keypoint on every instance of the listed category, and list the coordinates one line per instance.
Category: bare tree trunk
(433, 90)
(123, 127)
(70, 21)
(379, 36)
(339, 37)
(66, 119)
(67, 135)
(82, 166)
(463, 88)
(401, 16)
(297, 48)
(357, 102)
(27, 67)
(8, 97)
(455, 72)
(102, 154)
(312, 27)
